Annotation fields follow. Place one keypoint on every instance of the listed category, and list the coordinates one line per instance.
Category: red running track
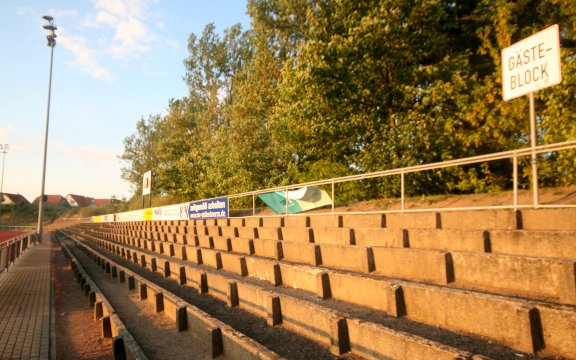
(7, 235)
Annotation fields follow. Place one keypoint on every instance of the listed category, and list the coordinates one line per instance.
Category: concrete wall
(425, 265)
(299, 234)
(532, 277)
(489, 317)
(353, 258)
(325, 221)
(247, 232)
(377, 294)
(379, 237)
(253, 299)
(549, 219)
(373, 341)
(302, 277)
(480, 219)
(534, 243)
(268, 248)
(264, 269)
(559, 331)
(222, 243)
(275, 222)
(447, 240)
(307, 319)
(272, 233)
(336, 236)
(412, 220)
(364, 221)
(300, 252)
(242, 245)
(234, 263)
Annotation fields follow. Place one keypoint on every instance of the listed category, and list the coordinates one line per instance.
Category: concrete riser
(514, 323)
(536, 278)
(498, 275)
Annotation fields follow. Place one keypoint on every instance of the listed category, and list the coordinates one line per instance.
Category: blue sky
(115, 62)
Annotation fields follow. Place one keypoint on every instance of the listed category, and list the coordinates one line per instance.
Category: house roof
(82, 201)
(102, 202)
(16, 198)
(52, 199)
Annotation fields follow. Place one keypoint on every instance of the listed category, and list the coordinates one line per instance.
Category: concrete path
(25, 305)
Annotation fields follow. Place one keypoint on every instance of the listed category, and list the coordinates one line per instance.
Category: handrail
(416, 168)
(17, 228)
(13, 240)
(513, 155)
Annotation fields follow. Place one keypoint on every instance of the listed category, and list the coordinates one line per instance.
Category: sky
(115, 62)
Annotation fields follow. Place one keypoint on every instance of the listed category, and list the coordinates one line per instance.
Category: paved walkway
(25, 305)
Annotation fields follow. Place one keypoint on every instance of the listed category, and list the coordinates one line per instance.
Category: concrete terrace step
(526, 219)
(340, 330)
(124, 343)
(220, 338)
(499, 231)
(500, 275)
(531, 277)
(423, 305)
(546, 243)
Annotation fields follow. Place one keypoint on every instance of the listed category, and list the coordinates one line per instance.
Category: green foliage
(27, 214)
(325, 88)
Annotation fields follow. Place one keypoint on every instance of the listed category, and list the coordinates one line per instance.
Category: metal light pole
(51, 36)
(3, 150)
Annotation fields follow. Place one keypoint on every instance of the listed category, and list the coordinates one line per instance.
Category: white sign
(171, 212)
(531, 64)
(147, 183)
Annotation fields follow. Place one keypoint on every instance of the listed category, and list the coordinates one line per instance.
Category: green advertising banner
(307, 198)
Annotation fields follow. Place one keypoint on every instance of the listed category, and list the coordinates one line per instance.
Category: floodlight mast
(3, 150)
(51, 36)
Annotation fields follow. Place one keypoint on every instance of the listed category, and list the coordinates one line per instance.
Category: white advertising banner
(172, 212)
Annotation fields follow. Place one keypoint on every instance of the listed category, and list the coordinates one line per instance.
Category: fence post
(286, 198)
(402, 189)
(534, 157)
(515, 180)
(333, 197)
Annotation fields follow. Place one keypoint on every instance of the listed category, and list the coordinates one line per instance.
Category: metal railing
(513, 155)
(12, 248)
(17, 228)
(401, 173)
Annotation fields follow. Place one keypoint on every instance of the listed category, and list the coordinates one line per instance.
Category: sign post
(147, 186)
(527, 66)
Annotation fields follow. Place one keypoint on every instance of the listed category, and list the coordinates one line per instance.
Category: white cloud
(129, 39)
(4, 131)
(85, 57)
(126, 19)
(112, 29)
(104, 17)
(24, 10)
(59, 13)
(88, 153)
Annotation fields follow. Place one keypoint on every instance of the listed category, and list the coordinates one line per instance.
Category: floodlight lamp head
(50, 27)
(48, 18)
(51, 36)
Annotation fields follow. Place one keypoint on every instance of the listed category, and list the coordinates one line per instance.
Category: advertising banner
(208, 209)
(173, 212)
(136, 215)
(306, 198)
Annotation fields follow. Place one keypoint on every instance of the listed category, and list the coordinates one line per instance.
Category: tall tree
(141, 152)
